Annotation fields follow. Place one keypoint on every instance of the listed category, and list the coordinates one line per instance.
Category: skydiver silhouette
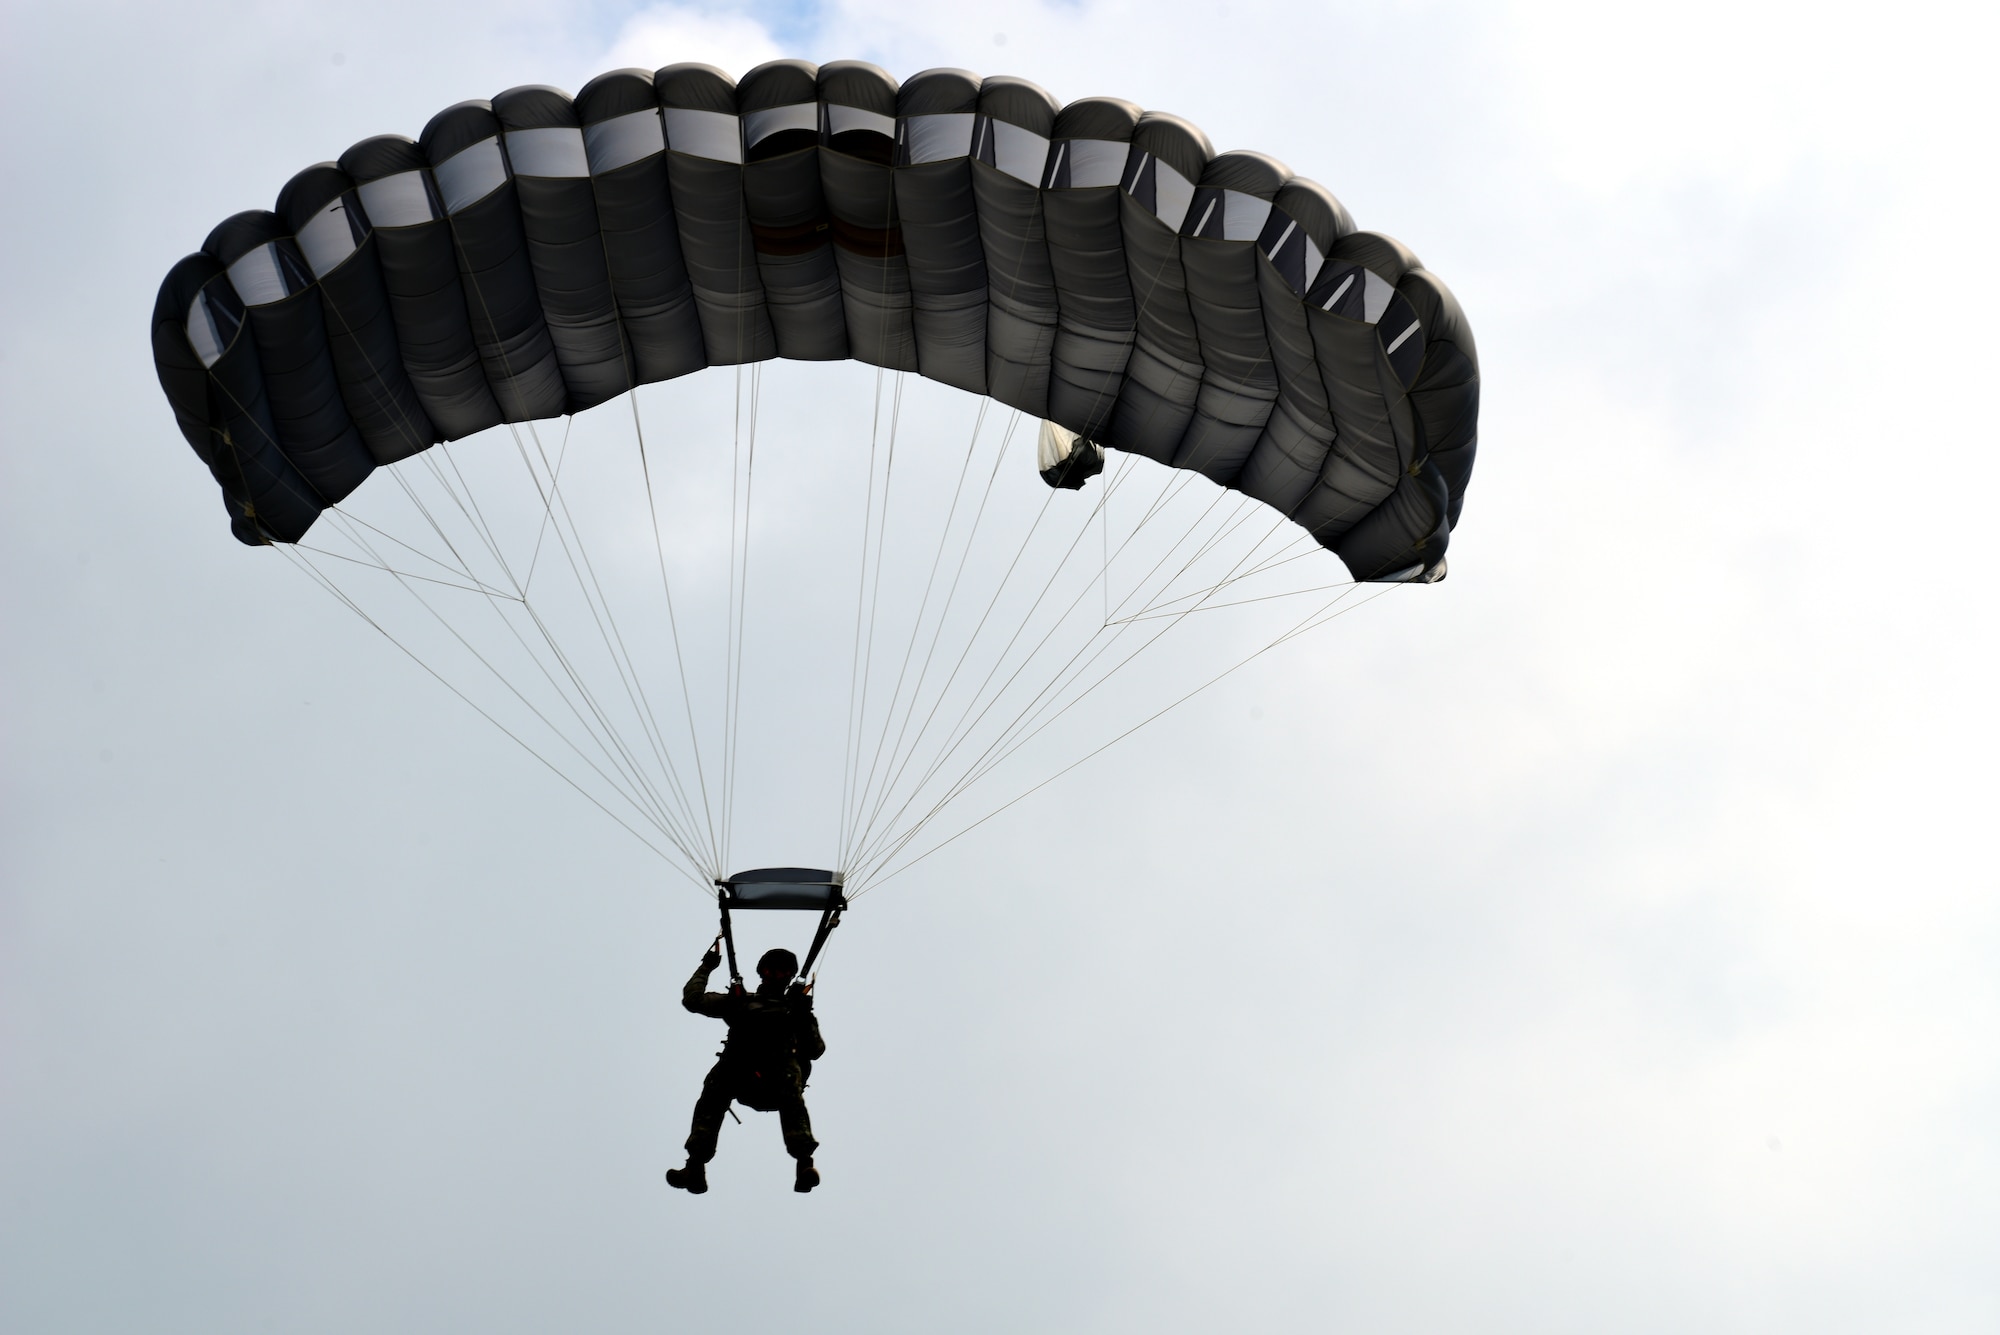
(772, 1043)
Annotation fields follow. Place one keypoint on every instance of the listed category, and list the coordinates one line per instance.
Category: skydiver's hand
(801, 996)
(712, 958)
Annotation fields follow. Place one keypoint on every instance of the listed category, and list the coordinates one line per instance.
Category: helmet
(778, 960)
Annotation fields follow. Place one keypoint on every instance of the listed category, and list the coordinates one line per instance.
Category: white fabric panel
(704, 134)
(623, 140)
(201, 332)
(1053, 446)
(1172, 193)
(471, 174)
(1375, 296)
(1243, 215)
(939, 138)
(761, 125)
(1314, 259)
(398, 201)
(256, 277)
(1097, 162)
(553, 151)
(842, 119)
(327, 238)
(1022, 154)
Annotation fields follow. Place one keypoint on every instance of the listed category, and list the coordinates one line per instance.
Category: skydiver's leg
(709, 1110)
(796, 1124)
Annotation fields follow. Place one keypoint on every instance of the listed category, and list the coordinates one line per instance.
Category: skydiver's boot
(692, 1179)
(807, 1176)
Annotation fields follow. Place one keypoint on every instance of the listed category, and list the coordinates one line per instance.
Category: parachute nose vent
(1067, 460)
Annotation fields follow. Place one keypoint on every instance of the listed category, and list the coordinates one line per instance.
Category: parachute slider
(1067, 460)
(782, 888)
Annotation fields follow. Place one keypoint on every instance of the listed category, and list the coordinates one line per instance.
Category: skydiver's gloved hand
(712, 958)
(801, 996)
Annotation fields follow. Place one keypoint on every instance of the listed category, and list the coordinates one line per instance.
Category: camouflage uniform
(773, 1041)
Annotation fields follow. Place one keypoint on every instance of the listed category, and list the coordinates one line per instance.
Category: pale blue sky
(1602, 940)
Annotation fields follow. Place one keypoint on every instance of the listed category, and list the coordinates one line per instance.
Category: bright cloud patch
(669, 34)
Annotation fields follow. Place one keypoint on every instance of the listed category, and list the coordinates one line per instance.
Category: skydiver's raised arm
(695, 995)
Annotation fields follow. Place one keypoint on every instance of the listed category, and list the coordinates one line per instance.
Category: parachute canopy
(1092, 264)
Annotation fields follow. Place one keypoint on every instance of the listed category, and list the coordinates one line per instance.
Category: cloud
(671, 34)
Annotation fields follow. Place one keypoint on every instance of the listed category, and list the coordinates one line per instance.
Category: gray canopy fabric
(1093, 264)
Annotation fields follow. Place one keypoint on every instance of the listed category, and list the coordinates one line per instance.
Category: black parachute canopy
(1094, 264)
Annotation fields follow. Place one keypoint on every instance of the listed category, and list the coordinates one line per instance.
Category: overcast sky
(1606, 939)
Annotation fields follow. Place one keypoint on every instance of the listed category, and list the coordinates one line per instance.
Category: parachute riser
(729, 945)
(828, 920)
